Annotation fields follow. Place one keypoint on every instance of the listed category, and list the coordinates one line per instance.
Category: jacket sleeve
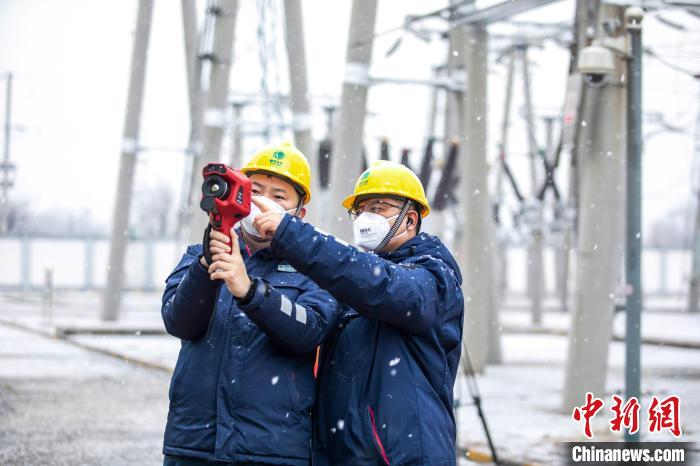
(189, 298)
(299, 325)
(404, 295)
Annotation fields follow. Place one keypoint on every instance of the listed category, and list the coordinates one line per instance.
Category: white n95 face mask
(247, 222)
(369, 229)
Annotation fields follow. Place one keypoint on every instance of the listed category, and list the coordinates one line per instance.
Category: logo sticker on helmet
(276, 159)
(364, 178)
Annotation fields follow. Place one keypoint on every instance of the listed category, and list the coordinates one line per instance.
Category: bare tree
(155, 212)
(18, 214)
(671, 230)
(53, 222)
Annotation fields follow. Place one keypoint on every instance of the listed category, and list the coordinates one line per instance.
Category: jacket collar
(424, 244)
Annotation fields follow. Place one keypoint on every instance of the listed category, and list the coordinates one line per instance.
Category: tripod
(475, 395)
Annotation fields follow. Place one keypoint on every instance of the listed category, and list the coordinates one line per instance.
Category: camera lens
(214, 186)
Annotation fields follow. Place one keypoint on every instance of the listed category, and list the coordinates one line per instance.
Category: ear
(302, 212)
(411, 220)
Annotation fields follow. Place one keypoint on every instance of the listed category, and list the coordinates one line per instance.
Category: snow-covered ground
(664, 320)
(521, 397)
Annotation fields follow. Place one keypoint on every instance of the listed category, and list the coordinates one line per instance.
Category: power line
(651, 53)
(440, 13)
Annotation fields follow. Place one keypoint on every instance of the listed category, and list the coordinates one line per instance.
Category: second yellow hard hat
(384, 177)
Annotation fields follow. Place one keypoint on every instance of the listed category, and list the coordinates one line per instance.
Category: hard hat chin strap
(299, 206)
(395, 226)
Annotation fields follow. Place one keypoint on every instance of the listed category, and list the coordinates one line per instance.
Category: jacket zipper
(376, 437)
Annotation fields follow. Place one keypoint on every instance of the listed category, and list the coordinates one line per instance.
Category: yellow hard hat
(283, 160)
(392, 179)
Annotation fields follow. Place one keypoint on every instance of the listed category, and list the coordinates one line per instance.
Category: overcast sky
(71, 63)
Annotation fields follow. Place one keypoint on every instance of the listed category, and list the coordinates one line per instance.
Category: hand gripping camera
(226, 198)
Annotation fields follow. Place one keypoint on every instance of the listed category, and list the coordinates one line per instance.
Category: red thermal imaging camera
(226, 198)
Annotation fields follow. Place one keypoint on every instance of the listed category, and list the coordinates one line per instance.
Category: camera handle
(205, 244)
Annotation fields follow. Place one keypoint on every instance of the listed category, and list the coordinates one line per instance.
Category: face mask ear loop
(394, 227)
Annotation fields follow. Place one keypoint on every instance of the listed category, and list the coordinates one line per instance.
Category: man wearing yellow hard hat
(243, 387)
(387, 373)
